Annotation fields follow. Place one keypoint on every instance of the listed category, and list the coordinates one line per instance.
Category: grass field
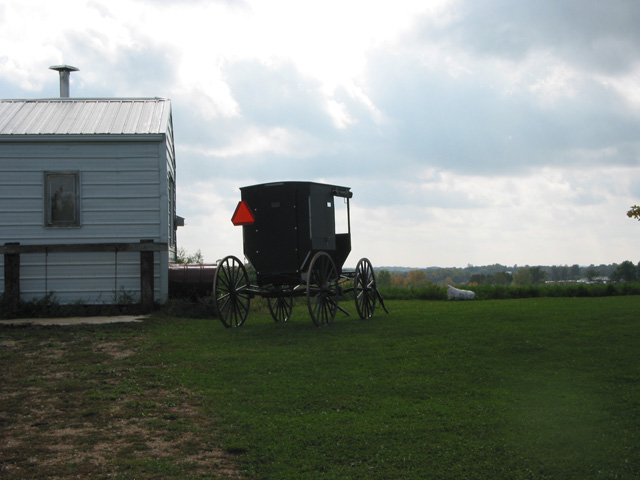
(513, 389)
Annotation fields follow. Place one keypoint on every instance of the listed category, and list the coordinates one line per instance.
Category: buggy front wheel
(322, 289)
(230, 292)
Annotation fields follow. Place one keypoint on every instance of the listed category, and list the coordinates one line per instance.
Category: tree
(559, 273)
(634, 212)
(625, 272)
(575, 272)
(416, 278)
(522, 277)
(529, 276)
(383, 278)
(537, 275)
(502, 278)
(183, 257)
(592, 273)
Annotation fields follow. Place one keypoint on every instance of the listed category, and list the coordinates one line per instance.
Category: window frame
(54, 182)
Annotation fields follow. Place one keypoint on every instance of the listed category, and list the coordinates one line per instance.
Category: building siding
(91, 278)
(123, 196)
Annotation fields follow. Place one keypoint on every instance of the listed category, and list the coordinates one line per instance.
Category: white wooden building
(95, 173)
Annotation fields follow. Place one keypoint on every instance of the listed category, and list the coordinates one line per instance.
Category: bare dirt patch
(115, 350)
(79, 407)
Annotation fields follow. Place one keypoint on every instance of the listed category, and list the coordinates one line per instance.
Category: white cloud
(339, 114)
(470, 132)
(207, 209)
(626, 86)
(253, 141)
(557, 216)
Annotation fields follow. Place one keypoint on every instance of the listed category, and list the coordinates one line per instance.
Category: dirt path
(73, 320)
(73, 405)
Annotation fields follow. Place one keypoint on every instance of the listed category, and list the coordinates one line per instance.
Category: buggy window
(341, 214)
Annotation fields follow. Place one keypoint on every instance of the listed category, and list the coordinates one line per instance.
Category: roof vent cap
(65, 71)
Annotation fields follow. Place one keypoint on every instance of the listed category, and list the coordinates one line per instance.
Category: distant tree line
(501, 275)
(496, 274)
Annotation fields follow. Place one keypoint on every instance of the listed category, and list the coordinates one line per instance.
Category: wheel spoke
(224, 296)
(317, 308)
(224, 284)
(325, 313)
(239, 284)
(226, 303)
(280, 307)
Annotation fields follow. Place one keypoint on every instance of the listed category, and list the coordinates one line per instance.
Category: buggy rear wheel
(280, 308)
(364, 287)
(230, 292)
(322, 289)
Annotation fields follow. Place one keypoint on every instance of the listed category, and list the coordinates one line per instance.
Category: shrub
(501, 292)
(48, 306)
(427, 292)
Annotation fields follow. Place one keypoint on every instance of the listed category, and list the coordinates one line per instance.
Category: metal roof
(83, 116)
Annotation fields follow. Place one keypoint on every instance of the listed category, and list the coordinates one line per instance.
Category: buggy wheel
(322, 289)
(364, 287)
(280, 308)
(230, 292)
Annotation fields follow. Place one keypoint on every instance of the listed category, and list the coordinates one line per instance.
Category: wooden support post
(12, 280)
(146, 280)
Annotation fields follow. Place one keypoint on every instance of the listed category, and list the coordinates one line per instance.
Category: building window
(62, 199)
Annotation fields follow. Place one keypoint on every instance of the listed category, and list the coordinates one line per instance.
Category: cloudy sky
(471, 132)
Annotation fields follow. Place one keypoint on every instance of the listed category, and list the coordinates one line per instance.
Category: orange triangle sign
(243, 215)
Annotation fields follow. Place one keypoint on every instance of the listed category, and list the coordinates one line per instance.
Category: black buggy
(290, 240)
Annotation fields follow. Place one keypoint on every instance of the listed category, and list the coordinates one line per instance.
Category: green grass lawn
(512, 389)
(538, 388)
